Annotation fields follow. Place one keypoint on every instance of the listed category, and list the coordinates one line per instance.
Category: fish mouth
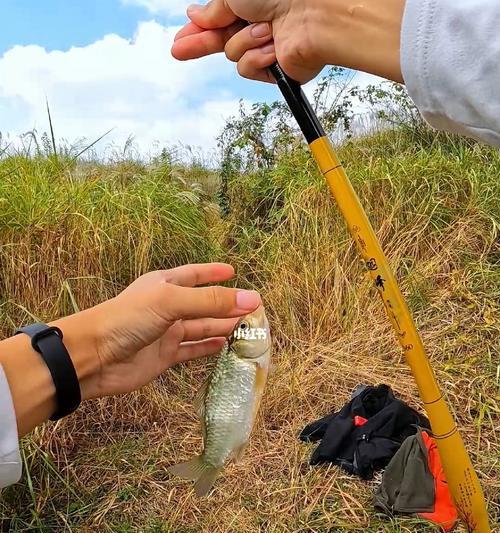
(259, 314)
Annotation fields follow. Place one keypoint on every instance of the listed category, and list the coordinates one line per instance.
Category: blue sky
(60, 24)
(106, 64)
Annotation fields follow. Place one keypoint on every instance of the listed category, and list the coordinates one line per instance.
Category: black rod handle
(299, 104)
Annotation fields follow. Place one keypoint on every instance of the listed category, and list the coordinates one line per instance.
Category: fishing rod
(462, 480)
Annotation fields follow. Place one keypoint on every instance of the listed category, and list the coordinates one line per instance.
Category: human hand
(302, 36)
(160, 320)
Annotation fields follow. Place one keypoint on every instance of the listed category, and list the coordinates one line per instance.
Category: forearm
(360, 35)
(30, 382)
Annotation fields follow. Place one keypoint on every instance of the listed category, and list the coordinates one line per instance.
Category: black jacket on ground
(362, 450)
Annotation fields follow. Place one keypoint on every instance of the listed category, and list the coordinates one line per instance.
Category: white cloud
(170, 8)
(134, 86)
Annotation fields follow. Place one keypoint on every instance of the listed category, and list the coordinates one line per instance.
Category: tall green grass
(92, 228)
(74, 233)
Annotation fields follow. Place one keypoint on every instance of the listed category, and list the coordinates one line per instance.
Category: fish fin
(206, 481)
(197, 470)
(189, 470)
(239, 452)
(260, 379)
(204, 430)
(199, 399)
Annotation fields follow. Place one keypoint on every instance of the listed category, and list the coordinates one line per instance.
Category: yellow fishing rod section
(462, 479)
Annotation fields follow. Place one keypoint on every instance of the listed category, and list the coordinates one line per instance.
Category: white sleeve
(10, 458)
(450, 60)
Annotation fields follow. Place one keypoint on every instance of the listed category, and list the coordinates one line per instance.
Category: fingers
(193, 42)
(188, 275)
(205, 328)
(255, 63)
(210, 28)
(216, 14)
(174, 303)
(196, 350)
(202, 274)
(253, 49)
(189, 29)
(251, 37)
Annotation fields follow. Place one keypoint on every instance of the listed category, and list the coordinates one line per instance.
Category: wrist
(362, 36)
(30, 381)
(82, 340)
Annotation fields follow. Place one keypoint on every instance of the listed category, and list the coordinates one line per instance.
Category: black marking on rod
(299, 105)
(446, 435)
(434, 401)
(330, 169)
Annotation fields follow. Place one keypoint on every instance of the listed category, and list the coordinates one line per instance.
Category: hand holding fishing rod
(216, 28)
(302, 36)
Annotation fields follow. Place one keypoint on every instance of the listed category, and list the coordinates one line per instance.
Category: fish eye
(243, 325)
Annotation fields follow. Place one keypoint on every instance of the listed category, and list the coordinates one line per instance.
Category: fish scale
(228, 407)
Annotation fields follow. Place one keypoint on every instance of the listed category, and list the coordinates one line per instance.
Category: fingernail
(260, 30)
(268, 49)
(194, 8)
(247, 300)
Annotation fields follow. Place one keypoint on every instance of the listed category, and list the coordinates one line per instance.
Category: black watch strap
(48, 342)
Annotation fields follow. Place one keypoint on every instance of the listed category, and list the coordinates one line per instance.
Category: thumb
(176, 303)
(216, 14)
(136, 319)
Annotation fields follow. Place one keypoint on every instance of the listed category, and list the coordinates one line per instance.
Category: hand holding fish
(162, 319)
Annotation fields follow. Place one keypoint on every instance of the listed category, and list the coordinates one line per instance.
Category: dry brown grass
(104, 469)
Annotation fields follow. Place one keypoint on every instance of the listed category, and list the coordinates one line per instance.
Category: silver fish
(228, 402)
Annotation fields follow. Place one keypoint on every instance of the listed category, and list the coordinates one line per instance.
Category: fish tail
(199, 471)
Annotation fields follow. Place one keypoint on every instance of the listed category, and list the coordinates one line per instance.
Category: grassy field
(73, 234)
